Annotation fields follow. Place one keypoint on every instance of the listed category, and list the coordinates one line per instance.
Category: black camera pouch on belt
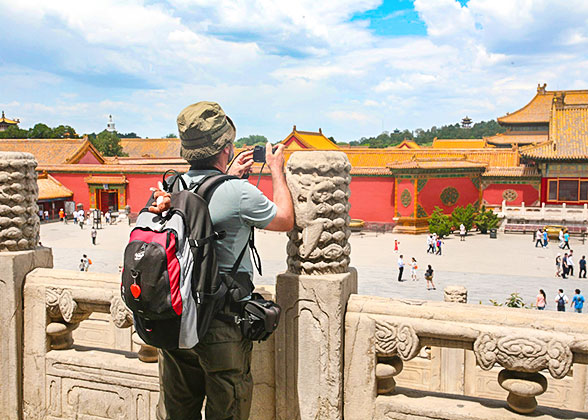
(259, 318)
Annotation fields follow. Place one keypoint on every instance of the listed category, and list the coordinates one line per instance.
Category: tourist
(75, 217)
(561, 238)
(438, 244)
(429, 278)
(566, 240)
(435, 237)
(40, 215)
(82, 265)
(46, 214)
(462, 232)
(61, 215)
(564, 266)
(558, 265)
(430, 246)
(561, 301)
(400, 268)
(93, 234)
(107, 217)
(396, 243)
(545, 238)
(571, 263)
(539, 238)
(582, 264)
(541, 300)
(413, 269)
(577, 302)
(81, 219)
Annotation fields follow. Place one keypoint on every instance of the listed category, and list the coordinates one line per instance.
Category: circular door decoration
(405, 198)
(509, 195)
(449, 196)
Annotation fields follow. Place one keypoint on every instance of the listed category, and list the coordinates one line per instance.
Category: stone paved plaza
(488, 268)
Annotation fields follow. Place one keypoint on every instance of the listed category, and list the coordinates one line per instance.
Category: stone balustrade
(64, 379)
(543, 213)
(382, 335)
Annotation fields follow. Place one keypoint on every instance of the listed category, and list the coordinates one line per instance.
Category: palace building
(541, 158)
(5, 122)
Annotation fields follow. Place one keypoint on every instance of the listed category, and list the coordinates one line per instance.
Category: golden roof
(408, 144)
(439, 163)
(5, 120)
(52, 151)
(50, 188)
(539, 109)
(459, 143)
(517, 137)
(309, 140)
(151, 148)
(512, 172)
(568, 134)
(106, 179)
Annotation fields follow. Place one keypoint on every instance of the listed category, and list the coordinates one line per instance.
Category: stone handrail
(381, 334)
(576, 214)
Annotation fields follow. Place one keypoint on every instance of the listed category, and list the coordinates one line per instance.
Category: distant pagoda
(466, 122)
(5, 122)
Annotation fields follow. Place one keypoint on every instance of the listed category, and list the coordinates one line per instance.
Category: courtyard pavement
(488, 268)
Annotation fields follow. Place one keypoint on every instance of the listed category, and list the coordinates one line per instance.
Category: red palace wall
(430, 194)
(526, 193)
(76, 183)
(405, 185)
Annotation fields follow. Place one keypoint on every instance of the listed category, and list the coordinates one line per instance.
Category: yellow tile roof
(50, 188)
(106, 179)
(310, 140)
(408, 144)
(8, 121)
(152, 148)
(51, 151)
(517, 137)
(439, 163)
(512, 172)
(568, 134)
(459, 143)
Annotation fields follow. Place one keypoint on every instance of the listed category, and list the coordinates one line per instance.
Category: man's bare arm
(284, 219)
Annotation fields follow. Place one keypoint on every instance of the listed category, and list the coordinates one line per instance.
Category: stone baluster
(19, 255)
(146, 353)
(386, 369)
(313, 293)
(65, 316)
(522, 389)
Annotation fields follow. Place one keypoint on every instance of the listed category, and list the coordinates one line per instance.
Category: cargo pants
(218, 368)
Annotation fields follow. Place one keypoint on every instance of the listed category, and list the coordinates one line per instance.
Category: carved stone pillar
(457, 294)
(452, 377)
(19, 255)
(313, 293)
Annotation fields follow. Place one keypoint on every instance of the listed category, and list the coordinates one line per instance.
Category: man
(86, 262)
(571, 262)
(539, 238)
(582, 264)
(577, 302)
(545, 238)
(566, 240)
(218, 367)
(564, 266)
(93, 234)
(431, 247)
(561, 300)
(400, 268)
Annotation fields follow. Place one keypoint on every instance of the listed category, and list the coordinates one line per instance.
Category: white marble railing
(382, 335)
(563, 213)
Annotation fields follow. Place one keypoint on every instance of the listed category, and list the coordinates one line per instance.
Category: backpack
(561, 303)
(170, 277)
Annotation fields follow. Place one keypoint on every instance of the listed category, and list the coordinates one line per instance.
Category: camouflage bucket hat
(204, 130)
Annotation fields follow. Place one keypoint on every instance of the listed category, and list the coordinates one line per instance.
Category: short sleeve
(255, 208)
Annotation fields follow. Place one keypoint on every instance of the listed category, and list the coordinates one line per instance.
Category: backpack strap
(171, 184)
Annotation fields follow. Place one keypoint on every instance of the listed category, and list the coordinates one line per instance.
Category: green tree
(131, 135)
(40, 131)
(440, 223)
(108, 144)
(251, 140)
(14, 133)
(486, 219)
(171, 136)
(63, 131)
(463, 215)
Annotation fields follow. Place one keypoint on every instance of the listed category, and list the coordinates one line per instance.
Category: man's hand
(275, 160)
(242, 164)
(162, 201)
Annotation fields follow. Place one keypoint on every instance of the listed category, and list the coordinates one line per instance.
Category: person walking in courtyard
(93, 234)
(400, 268)
(81, 219)
(438, 244)
(396, 243)
(41, 216)
(413, 269)
(558, 265)
(82, 265)
(429, 278)
(564, 266)
(435, 237)
(46, 214)
(61, 215)
(541, 300)
(539, 238)
(462, 232)
(582, 264)
(566, 240)
(561, 238)
(571, 263)
(545, 238)
(561, 300)
(430, 246)
(577, 302)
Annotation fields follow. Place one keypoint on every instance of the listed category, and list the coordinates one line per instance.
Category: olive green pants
(218, 368)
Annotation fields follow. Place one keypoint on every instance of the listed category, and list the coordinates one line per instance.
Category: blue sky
(352, 67)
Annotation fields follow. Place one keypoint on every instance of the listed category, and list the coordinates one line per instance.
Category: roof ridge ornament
(541, 88)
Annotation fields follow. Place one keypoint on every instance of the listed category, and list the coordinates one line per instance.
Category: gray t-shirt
(235, 206)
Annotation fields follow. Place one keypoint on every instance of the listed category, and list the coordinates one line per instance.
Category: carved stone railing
(543, 213)
(383, 334)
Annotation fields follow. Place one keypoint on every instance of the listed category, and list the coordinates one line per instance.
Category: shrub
(440, 223)
(486, 219)
(513, 301)
(464, 215)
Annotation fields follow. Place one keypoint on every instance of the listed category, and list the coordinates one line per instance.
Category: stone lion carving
(319, 183)
(19, 223)
(396, 339)
(524, 354)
